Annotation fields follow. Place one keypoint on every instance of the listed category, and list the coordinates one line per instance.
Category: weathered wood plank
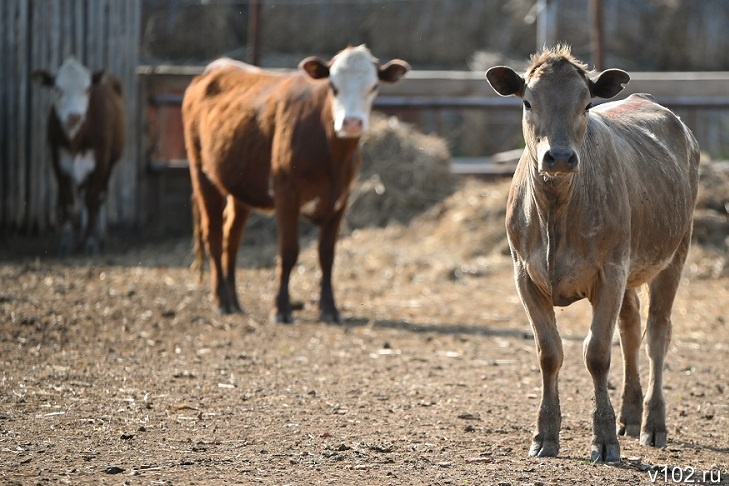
(38, 34)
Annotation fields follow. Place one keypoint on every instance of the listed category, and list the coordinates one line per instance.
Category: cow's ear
(505, 81)
(392, 71)
(314, 67)
(43, 77)
(97, 76)
(608, 83)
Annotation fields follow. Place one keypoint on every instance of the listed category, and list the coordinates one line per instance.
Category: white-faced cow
(86, 136)
(601, 202)
(287, 142)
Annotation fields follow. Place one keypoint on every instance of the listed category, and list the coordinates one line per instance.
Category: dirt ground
(116, 370)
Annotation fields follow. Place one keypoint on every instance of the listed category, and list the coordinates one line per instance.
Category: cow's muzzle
(352, 127)
(73, 123)
(559, 161)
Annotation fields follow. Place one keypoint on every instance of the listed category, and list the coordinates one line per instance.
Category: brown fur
(103, 133)
(263, 140)
(618, 215)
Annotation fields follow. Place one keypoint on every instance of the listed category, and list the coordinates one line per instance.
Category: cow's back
(231, 117)
(644, 152)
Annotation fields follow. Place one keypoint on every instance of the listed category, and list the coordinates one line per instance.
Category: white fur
(354, 74)
(72, 82)
(78, 166)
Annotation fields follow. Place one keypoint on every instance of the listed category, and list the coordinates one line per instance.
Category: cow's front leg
(94, 205)
(287, 219)
(540, 312)
(327, 241)
(631, 408)
(606, 303)
(67, 214)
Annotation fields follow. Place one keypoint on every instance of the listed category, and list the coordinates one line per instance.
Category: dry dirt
(116, 370)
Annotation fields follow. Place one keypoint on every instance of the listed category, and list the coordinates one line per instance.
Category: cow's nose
(352, 125)
(73, 119)
(560, 160)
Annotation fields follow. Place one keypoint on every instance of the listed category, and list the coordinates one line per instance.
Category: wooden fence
(37, 34)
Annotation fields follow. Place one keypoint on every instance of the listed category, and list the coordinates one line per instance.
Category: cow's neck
(551, 195)
(551, 199)
(342, 150)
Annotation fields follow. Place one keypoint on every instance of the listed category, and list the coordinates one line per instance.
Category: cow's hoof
(629, 430)
(605, 453)
(284, 318)
(544, 448)
(92, 246)
(65, 246)
(227, 309)
(330, 317)
(297, 305)
(653, 439)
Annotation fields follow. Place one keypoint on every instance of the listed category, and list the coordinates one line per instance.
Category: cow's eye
(375, 88)
(587, 108)
(334, 89)
(527, 105)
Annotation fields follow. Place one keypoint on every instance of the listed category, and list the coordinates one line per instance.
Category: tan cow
(601, 203)
(283, 141)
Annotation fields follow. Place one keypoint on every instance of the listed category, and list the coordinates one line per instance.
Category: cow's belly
(247, 183)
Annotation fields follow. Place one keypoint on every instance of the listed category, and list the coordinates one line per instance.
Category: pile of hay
(710, 253)
(404, 172)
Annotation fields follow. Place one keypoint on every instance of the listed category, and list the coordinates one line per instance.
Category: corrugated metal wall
(37, 34)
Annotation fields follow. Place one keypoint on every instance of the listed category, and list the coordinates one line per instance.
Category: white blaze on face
(353, 77)
(72, 83)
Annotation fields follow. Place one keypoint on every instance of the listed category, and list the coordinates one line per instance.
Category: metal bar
(445, 102)
(597, 36)
(254, 32)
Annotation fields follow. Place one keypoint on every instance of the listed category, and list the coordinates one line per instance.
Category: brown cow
(86, 137)
(283, 141)
(602, 202)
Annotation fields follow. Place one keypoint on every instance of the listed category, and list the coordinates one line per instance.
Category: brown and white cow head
(556, 94)
(354, 75)
(71, 84)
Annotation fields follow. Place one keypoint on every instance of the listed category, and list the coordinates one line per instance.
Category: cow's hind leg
(327, 242)
(663, 289)
(236, 215)
(287, 220)
(211, 204)
(545, 442)
(631, 408)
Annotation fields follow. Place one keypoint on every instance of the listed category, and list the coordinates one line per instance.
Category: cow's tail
(198, 262)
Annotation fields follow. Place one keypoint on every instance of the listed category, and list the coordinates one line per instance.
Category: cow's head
(71, 84)
(354, 75)
(557, 94)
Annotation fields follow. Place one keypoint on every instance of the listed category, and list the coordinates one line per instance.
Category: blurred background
(642, 35)
(677, 50)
